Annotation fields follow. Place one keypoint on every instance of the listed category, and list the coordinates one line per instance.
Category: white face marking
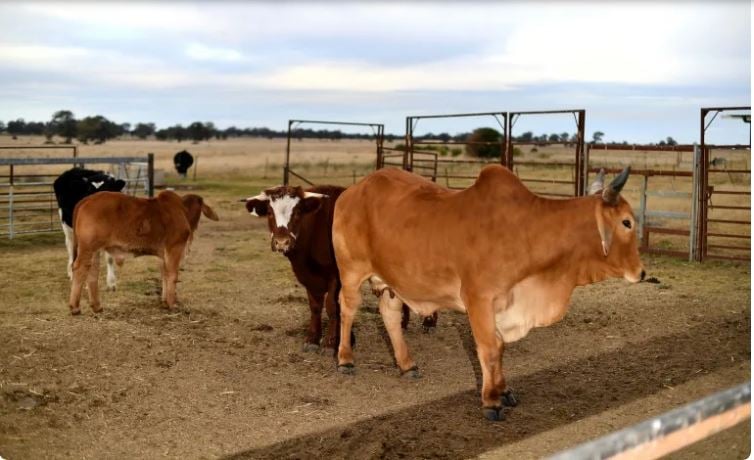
(97, 185)
(283, 209)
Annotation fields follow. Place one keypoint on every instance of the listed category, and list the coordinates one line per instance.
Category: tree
(16, 127)
(2, 126)
(484, 143)
(528, 136)
(97, 128)
(597, 136)
(563, 137)
(144, 130)
(671, 141)
(64, 124)
(197, 131)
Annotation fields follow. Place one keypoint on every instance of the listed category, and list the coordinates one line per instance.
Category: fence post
(643, 209)
(150, 173)
(694, 224)
(10, 212)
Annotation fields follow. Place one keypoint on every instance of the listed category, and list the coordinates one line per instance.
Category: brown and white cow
(300, 223)
(122, 224)
(507, 257)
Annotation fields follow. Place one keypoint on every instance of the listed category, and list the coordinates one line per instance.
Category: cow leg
(68, 232)
(162, 279)
(92, 283)
(488, 347)
(316, 302)
(170, 279)
(333, 318)
(81, 267)
(112, 280)
(507, 397)
(404, 316)
(391, 311)
(350, 300)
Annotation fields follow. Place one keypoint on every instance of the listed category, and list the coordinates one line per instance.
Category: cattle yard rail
(27, 198)
(723, 218)
(418, 157)
(579, 164)
(378, 130)
(671, 431)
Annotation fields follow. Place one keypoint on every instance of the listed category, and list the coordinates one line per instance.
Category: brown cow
(122, 224)
(507, 257)
(300, 223)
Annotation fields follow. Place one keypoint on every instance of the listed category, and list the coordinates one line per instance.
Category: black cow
(183, 161)
(73, 186)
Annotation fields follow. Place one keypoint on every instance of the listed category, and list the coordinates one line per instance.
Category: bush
(484, 150)
(456, 151)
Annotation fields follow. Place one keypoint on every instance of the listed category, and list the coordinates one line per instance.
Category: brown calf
(122, 224)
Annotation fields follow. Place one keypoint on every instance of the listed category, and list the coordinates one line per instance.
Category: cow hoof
(311, 348)
(75, 312)
(347, 369)
(428, 329)
(493, 414)
(112, 288)
(97, 310)
(508, 399)
(412, 373)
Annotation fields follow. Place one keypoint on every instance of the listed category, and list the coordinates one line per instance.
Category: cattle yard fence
(723, 194)
(671, 431)
(378, 131)
(545, 176)
(27, 198)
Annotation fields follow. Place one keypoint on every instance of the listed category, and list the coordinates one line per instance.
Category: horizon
(641, 71)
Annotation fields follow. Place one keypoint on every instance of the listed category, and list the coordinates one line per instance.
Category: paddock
(225, 374)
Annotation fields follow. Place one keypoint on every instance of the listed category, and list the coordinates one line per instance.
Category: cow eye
(627, 223)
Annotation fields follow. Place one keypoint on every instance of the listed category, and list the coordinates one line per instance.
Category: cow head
(617, 228)
(284, 207)
(103, 182)
(195, 207)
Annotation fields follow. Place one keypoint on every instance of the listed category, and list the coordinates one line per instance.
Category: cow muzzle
(282, 240)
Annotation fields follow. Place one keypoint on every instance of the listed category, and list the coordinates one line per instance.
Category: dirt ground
(225, 375)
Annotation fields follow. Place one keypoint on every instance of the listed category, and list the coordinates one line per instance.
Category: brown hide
(311, 253)
(122, 224)
(507, 257)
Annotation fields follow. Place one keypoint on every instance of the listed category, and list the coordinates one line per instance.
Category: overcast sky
(641, 70)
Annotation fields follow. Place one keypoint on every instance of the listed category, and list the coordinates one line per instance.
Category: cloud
(201, 52)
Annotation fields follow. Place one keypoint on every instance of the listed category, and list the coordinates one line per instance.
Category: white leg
(68, 231)
(112, 280)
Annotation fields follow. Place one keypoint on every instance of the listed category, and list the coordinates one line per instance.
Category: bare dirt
(225, 375)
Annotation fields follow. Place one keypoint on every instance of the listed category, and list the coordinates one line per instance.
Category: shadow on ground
(452, 427)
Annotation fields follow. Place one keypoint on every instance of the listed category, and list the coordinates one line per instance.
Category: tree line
(99, 129)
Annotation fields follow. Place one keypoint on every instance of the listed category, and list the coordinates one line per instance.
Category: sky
(642, 70)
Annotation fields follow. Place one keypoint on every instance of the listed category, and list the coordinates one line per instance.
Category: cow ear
(606, 233)
(257, 205)
(209, 213)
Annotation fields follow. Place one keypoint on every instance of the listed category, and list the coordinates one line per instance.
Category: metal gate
(27, 199)
(545, 178)
(378, 131)
(724, 194)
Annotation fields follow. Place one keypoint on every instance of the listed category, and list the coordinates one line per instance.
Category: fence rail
(671, 431)
(30, 206)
